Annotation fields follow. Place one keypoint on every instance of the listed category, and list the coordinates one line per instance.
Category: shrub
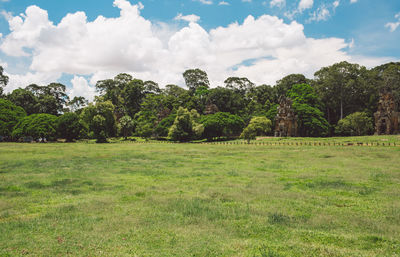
(356, 124)
(10, 115)
(37, 126)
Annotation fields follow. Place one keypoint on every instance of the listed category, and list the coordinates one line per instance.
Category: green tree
(52, 98)
(69, 126)
(196, 78)
(99, 127)
(285, 84)
(311, 121)
(126, 124)
(258, 126)
(3, 80)
(26, 99)
(10, 115)
(186, 126)
(106, 111)
(221, 124)
(164, 125)
(242, 86)
(227, 100)
(355, 124)
(77, 103)
(344, 88)
(41, 125)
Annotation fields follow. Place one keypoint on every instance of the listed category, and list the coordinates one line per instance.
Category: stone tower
(387, 117)
(286, 120)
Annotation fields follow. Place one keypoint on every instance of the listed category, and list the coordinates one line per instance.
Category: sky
(78, 43)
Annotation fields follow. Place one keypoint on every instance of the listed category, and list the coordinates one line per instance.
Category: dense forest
(340, 100)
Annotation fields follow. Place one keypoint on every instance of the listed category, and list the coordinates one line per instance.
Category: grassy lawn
(134, 199)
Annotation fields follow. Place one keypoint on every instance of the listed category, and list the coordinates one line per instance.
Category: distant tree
(3, 80)
(10, 115)
(69, 126)
(77, 103)
(227, 100)
(26, 99)
(51, 98)
(106, 111)
(164, 125)
(285, 84)
(196, 78)
(387, 76)
(186, 126)
(345, 88)
(355, 124)
(221, 124)
(133, 94)
(151, 87)
(99, 126)
(258, 126)
(40, 125)
(242, 86)
(126, 124)
(311, 121)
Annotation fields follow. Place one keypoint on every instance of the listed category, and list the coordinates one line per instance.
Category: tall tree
(3, 80)
(26, 99)
(285, 84)
(196, 78)
(344, 88)
(10, 115)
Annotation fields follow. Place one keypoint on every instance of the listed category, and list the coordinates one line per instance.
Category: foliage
(126, 125)
(77, 103)
(186, 126)
(196, 78)
(40, 125)
(3, 80)
(221, 124)
(99, 127)
(258, 126)
(10, 114)
(355, 124)
(106, 111)
(69, 126)
(164, 125)
(26, 99)
(285, 84)
(311, 121)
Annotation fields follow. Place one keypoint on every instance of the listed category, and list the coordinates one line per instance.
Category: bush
(165, 124)
(356, 124)
(10, 115)
(37, 126)
(221, 124)
(69, 126)
(186, 126)
(258, 126)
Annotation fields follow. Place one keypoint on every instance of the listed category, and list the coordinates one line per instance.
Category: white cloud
(392, 26)
(336, 4)
(353, 1)
(188, 18)
(264, 49)
(278, 3)
(223, 3)
(305, 4)
(80, 87)
(321, 14)
(207, 2)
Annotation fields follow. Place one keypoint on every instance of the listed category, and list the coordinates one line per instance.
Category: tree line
(340, 100)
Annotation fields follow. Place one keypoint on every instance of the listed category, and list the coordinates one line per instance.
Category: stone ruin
(387, 117)
(286, 120)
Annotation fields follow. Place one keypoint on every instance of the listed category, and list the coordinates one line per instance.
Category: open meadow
(158, 199)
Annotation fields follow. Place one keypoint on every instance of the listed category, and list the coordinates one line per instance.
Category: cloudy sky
(79, 42)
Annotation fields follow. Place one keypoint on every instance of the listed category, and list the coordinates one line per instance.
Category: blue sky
(364, 31)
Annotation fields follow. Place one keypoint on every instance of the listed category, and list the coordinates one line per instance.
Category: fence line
(277, 143)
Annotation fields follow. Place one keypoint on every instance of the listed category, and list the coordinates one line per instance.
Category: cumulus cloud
(305, 4)
(188, 18)
(207, 2)
(81, 87)
(223, 3)
(264, 49)
(392, 26)
(278, 3)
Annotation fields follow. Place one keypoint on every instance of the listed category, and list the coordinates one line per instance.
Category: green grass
(133, 199)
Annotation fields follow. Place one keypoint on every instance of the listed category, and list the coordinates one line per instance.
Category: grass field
(132, 199)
